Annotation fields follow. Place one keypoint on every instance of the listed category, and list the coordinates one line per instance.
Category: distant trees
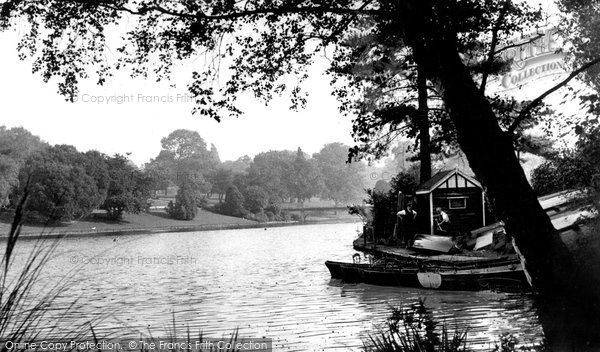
(234, 202)
(280, 176)
(65, 184)
(270, 171)
(255, 199)
(303, 178)
(221, 179)
(239, 166)
(59, 186)
(185, 207)
(161, 171)
(343, 182)
(16, 144)
(571, 169)
(184, 144)
(184, 158)
(129, 188)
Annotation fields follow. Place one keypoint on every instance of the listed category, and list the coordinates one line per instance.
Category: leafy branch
(525, 113)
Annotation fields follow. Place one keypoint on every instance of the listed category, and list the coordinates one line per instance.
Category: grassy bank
(156, 221)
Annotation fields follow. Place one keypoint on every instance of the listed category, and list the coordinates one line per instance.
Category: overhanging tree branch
(515, 45)
(527, 110)
(282, 10)
(490, 59)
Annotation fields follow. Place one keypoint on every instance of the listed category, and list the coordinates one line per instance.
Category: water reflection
(269, 283)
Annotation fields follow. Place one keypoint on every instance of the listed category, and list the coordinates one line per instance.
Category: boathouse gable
(460, 195)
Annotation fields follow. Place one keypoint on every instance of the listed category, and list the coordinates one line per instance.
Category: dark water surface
(270, 283)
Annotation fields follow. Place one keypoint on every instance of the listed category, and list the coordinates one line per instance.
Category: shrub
(185, 207)
(255, 199)
(202, 202)
(270, 216)
(413, 329)
(567, 171)
(234, 203)
(296, 217)
(128, 189)
(385, 203)
(260, 217)
(60, 191)
(273, 208)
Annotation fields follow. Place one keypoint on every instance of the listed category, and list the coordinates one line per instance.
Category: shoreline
(45, 233)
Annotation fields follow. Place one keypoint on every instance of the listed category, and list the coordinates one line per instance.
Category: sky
(138, 123)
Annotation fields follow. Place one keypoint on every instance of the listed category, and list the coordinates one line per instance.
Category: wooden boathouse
(459, 195)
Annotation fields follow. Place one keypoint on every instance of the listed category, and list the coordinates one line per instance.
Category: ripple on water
(266, 283)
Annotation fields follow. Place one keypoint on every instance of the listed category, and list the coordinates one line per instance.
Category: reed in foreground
(413, 329)
(25, 299)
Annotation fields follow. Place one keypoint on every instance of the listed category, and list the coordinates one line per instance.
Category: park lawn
(153, 222)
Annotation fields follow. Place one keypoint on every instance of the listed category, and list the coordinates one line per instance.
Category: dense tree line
(252, 188)
(63, 184)
(575, 168)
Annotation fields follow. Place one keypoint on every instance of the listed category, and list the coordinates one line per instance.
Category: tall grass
(413, 329)
(26, 302)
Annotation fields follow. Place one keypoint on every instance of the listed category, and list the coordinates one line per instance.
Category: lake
(266, 282)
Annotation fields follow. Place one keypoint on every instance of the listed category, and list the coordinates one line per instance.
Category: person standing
(407, 218)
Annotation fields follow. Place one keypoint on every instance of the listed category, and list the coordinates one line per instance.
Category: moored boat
(351, 273)
(499, 277)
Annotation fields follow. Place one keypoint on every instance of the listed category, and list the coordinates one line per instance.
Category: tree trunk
(567, 308)
(424, 138)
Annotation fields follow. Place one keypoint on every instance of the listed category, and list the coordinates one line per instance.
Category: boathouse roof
(448, 179)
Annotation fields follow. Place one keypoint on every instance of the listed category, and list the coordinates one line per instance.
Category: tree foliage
(269, 171)
(59, 186)
(185, 207)
(343, 182)
(129, 188)
(385, 203)
(16, 145)
(255, 199)
(221, 179)
(234, 203)
(184, 158)
(303, 179)
(571, 169)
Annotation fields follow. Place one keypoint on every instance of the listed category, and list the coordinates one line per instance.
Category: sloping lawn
(156, 220)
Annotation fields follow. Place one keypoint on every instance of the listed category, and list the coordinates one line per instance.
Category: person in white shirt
(407, 225)
(442, 219)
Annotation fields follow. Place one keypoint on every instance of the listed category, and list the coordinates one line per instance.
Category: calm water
(270, 283)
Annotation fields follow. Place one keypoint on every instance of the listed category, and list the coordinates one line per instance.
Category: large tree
(129, 188)
(184, 157)
(343, 182)
(16, 145)
(269, 170)
(60, 183)
(303, 179)
(266, 40)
